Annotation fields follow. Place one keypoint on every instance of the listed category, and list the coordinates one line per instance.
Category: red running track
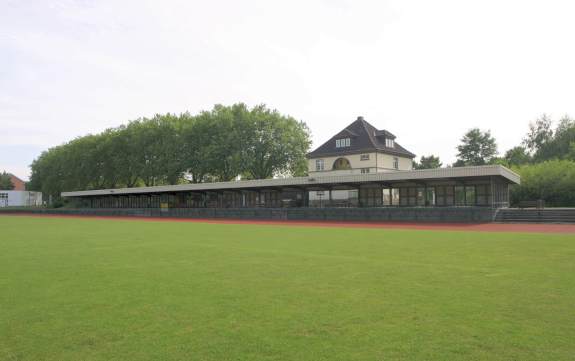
(473, 227)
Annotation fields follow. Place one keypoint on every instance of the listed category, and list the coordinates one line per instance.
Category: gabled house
(360, 148)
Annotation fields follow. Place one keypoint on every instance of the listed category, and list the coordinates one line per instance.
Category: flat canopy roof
(392, 177)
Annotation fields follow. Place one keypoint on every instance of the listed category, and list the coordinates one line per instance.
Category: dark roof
(364, 138)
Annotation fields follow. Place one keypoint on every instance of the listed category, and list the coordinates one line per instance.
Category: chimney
(360, 118)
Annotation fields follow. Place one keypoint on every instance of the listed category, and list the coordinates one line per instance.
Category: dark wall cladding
(405, 214)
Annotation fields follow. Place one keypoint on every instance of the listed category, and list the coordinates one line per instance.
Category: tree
(195, 142)
(427, 163)
(546, 143)
(235, 140)
(6, 182)
(559, 146)
(517, 156)
(47, 174)
(540, 133)
(227, 140)
(276, 144)
(155, 149)
(476, 148)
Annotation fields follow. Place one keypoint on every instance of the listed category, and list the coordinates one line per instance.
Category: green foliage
(546, 143)
(276, 144)
(476, 148)
(5, 182)
(517, 156)
(552, 181)
(216, 145)
(540, 133)
(427, 163)
(545, 163)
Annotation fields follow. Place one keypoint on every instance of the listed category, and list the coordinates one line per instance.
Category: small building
(20, 198)
(360, 148)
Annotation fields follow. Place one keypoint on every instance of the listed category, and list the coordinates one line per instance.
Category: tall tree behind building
(429, 162)
(477, 148)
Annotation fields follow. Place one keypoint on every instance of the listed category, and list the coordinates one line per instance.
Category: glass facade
(366, 196)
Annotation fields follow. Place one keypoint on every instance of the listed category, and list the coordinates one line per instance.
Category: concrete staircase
(532, 215)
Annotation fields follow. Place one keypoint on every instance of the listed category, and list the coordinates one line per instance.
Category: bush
(552, 181)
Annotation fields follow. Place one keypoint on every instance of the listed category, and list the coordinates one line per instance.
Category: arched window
(341, 163)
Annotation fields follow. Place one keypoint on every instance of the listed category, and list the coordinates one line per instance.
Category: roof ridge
(371, 140)
(365, 127)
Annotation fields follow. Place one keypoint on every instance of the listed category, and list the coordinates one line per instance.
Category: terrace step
(551, 215)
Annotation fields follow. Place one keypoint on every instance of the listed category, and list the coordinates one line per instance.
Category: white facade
(20, 199)
(361, 163)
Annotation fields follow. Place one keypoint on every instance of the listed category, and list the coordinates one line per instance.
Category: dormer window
(340, 143)
(389, 143)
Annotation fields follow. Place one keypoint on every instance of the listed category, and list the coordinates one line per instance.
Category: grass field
(88, 289)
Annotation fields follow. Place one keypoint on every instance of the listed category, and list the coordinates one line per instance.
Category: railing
(539, 204)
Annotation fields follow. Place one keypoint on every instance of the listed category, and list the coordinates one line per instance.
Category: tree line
(217, 145)
(545, 160)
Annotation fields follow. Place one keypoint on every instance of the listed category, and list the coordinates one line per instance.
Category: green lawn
(82, 289)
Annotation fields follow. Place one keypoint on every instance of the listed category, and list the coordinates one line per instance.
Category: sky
(425, 70)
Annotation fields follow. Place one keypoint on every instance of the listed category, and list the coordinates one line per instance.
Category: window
(444, 196)
(449, 196)
(430, 197)
(412, 196)
(395, 196)
(340, 143)
(319, 164)
(395, 163)
(470, 195)
(482, 195)
(341, 163)
(364, 157)
(364, 170)
(420, 196)
(370, 197)
(465, 196)
(459, 196)
(389, 143)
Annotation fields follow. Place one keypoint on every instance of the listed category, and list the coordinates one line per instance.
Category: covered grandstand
(478, 186)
